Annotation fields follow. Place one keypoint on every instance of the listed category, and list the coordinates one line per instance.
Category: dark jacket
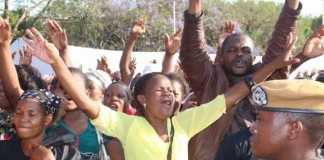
(208, 79)
(236, 147)
(61, 147)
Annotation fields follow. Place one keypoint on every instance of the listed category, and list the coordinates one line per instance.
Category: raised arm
(103, 64)
(8, 72)
(285, 26)
(172, 45)
(196, 119)
(48, 53)
(313, 47)
(125, 70)
(59, 39)
(195, 61)
(25, 56)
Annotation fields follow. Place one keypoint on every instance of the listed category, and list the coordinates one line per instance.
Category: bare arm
(169, 63)
(126, 60)
(90, 107)
(48, 53)
(172, 45)
(125, 70)
(195, 6)
(293, 4)
(313, 47)
(115, 150)
(59, 39)
(8, 72)
(65, 56)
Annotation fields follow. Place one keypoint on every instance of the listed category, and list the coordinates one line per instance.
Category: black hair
(314, 124)
(140, 88)
(320, 77)
(181, 80)
(125, 88)
(29, 77)
(236, 37)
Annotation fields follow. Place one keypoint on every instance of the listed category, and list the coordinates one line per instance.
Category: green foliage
(106, 23)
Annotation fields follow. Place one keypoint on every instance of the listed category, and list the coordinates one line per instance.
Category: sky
(310, 7)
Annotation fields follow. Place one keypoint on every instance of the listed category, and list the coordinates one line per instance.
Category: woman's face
(178, 95)
(159, 98)
(67, 101)
(115, 97)
(95, 92)
(30, 119)
(4, 103)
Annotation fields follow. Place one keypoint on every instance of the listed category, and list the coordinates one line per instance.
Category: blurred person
(168, 135)
(234, 62)
(36, 110)
(88, 140)
(127, 65)
(291, 125)
(118, 97)
(180, 90)
(98, 82)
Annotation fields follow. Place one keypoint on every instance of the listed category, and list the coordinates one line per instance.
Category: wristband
(249, 81)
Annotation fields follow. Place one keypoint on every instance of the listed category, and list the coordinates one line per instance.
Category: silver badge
(259, 96)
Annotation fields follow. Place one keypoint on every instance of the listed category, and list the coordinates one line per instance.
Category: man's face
(269, 135)
(237, 56)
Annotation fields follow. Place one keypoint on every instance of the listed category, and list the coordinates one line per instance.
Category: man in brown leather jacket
(208, 79)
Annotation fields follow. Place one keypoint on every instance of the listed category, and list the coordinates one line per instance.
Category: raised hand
(40, 48)
(138, 28)
(195, 6)
(229, 28)
(293, 4)
(57, 35)
(103, 64)
(5, 31)
(172, 44)
(25, 56)
(314, 46)
(286, 58)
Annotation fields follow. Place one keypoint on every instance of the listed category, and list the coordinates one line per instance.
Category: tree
(21, 18)
(106, 23)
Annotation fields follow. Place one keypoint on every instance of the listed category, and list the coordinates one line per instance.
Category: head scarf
(47, 99)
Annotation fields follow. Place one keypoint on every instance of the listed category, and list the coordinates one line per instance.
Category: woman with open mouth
(160, 135)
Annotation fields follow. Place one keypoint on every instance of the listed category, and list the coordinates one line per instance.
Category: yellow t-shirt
(141, 142)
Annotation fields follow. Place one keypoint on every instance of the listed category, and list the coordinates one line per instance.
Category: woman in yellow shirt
(157, 135)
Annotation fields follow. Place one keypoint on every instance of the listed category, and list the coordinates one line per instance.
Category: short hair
(29, 77)
(314, 123)
(236, 37)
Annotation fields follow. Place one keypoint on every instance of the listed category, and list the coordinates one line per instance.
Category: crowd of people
(196, 108)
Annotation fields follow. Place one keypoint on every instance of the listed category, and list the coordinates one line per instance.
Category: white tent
(86, 58)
